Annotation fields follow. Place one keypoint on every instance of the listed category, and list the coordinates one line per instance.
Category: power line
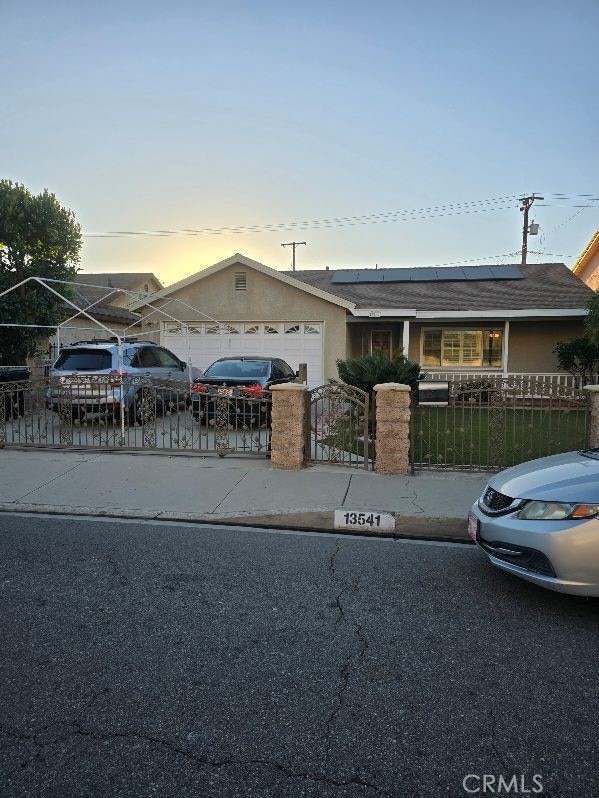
(384, 217)
(451, 209)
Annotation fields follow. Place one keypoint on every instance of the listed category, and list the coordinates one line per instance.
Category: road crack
(77, 730)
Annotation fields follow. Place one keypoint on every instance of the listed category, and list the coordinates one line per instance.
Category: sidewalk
(235, 490)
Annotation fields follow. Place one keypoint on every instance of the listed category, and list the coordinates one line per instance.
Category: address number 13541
(363, 520)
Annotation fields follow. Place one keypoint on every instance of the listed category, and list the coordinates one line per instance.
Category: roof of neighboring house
(97, 289)
(543, 286)
(589, 252)
(117, 279)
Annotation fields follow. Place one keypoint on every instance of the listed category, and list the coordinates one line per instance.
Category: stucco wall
(265, 299)
(590, 273)
(532, 343)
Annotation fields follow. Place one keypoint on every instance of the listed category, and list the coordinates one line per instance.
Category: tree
(370, 370)
(38, 238)
(580, 357)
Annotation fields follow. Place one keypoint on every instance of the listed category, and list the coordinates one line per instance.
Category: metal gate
(494, 423)
(339, 428)
(109, 412)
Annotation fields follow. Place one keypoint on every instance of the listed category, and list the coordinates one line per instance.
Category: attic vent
(240, 281)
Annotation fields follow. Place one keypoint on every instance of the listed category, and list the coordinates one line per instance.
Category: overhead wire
(452, 209)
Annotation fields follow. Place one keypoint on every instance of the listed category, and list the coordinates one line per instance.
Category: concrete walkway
(234, 489)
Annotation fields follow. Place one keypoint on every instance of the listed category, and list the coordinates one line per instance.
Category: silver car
(99, 377)
(540, 521)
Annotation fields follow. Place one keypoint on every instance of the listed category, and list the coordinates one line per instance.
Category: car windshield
(84, 360)
(238, 369)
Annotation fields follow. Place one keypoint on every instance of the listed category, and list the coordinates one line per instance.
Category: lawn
(487, 437)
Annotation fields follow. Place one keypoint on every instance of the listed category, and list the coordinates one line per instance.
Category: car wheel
(135, 411)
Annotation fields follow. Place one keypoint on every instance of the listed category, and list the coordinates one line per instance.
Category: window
(240, 281)
(292, 329)
(84, 360)
(462, 348)
(311, 329)
(251, 329)
(166, 359)
(270, 330)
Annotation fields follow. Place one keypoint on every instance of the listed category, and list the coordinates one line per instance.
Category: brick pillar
(392, 428)
(288, 438)
(593, 417)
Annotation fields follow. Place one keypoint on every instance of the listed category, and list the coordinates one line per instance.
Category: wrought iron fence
(340, 429)
(494, 423)
(133, 413)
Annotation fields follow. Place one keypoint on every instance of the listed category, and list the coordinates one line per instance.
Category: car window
(168, 360)
(84, 360)
(288, 372)
(277, 372)
(148, 358)
(238, 369)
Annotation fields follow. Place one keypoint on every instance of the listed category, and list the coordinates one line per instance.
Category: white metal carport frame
(84, 311)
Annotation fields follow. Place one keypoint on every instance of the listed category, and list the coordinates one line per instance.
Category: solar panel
(478, 273)
(450, 273)
(506, 273)
(430, 274)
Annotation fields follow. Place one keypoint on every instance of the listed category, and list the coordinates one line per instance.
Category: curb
(413, 527)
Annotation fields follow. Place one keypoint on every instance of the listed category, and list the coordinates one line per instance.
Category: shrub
(579, 356)
(370, 370)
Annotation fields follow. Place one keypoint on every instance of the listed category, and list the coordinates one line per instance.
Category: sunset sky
(193, 116)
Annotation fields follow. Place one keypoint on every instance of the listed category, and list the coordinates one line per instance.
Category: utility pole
(526, 206)
(294, 244)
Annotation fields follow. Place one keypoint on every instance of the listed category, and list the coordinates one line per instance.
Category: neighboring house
(477, 319)
(98, 294)
(587, 265)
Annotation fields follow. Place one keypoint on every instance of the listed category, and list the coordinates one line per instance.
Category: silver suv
(95, 378)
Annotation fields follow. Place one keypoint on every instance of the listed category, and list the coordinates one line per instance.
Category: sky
(388, 133)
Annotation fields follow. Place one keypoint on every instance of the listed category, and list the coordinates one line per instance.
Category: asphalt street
(145, 659)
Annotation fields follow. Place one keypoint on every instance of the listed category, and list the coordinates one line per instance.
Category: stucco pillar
(593, 418)
(288, 431)
(392, 428)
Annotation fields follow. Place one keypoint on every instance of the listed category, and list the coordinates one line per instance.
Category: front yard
(486, 436)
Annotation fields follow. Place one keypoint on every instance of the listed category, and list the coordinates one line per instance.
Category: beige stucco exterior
(587, 265)
(265, 300)
(531, 344)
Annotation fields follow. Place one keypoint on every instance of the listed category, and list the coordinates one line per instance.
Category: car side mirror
(182, 365)
(297, 375)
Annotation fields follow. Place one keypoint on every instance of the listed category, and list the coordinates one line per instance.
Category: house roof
(96, 289)
(117, 279)
(287, 278)
(544, 286)
(589, 252)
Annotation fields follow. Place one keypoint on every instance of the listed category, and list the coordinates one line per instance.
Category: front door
(380, 341)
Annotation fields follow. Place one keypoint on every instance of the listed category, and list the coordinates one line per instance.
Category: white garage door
(294, 341)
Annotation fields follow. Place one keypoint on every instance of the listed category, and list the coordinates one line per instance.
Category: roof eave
(589, 252)
(252, 264)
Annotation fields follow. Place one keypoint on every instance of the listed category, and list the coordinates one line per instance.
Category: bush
(370, 370)
(579, 356)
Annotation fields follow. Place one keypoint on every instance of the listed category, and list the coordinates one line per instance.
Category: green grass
(493, 438)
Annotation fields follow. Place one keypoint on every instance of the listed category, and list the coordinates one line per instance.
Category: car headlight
(556, 511)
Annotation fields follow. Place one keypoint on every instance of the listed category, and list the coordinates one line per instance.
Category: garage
(204, 342)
